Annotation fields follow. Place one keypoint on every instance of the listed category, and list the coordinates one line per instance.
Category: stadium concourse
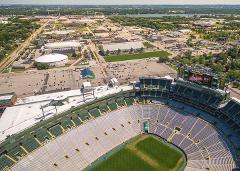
(202, 122)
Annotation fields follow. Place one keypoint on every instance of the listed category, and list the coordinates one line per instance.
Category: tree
(107, 52)
(233, 75)
(188, 54)
(41, 66)
(131, 50)
(163, 59)
(185, 61)
(118, 51)
(217, 67)
(74, 55)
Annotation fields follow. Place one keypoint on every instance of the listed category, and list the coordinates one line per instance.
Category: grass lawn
(148, 45)
(142, 55)
(18, 70)
(146, 153)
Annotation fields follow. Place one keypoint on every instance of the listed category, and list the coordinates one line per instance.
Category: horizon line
(116, 4)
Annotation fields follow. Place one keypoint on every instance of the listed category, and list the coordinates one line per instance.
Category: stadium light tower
(56, 109)
(42, 112)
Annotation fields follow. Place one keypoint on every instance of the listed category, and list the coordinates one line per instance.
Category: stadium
(156, 124)
(52, 59)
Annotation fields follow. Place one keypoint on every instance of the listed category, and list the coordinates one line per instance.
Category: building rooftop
(65, 44)
(86, 84)
(50, 58)
(29, 111)
(236, 100)
(122, 46)
(5, 97)
(59, 32)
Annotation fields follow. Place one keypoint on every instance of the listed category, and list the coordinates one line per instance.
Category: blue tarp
(87, 73)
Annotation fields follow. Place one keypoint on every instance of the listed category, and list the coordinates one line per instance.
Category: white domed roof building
(53, 59)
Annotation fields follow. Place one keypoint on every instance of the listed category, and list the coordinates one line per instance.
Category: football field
(146, 153)
(142, 55)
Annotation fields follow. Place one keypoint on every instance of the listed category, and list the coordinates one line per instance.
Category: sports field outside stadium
(143, 55)
(146, 153)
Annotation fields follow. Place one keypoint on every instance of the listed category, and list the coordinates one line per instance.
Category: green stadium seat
(30, 144)
(146, 93)
(95, 112)
(5, 162)
(153, 93)
(16, 153)
(56, 130)
(112, 106)
(84, 115)
(159, 94)
(120, 102)
(42, 135)
(140, 101)
(67, 123)
(76, 120)
(103, 108)
(129, 101)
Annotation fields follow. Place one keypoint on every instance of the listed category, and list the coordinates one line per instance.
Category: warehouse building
(62, 47)
(124, 47)
(59, 32)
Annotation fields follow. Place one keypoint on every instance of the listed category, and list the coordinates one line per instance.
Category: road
(14, 55)
(82, 56)
(99, 59)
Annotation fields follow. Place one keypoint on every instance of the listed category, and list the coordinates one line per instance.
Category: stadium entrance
(146, 126)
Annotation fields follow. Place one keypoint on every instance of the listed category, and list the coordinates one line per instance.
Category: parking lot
(60, 79)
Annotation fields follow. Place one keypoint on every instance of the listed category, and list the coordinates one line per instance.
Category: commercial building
(101, 30)
(59, 32)
(204, 23)
(124, 47)
(62, 47)
(7, 100)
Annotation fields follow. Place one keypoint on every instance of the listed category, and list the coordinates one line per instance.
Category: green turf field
(146, 153)
(143, 55)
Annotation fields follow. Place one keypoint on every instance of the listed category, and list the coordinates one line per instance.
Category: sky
(110, 2)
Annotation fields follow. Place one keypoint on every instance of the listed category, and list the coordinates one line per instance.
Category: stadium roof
(28, 111)
(156, 77)
(122, 46)
(236, 100)
(66, 44)
(201, 87)
(51, 58)
(6, 97)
